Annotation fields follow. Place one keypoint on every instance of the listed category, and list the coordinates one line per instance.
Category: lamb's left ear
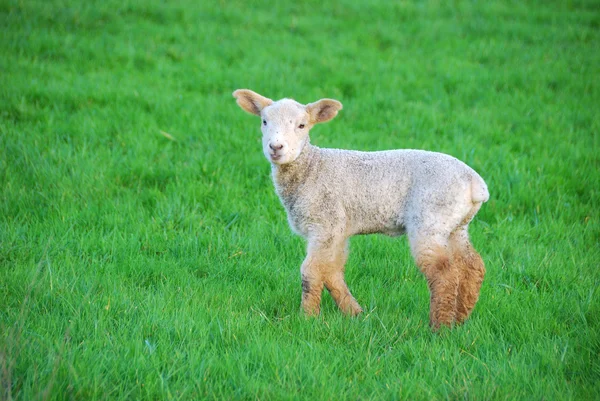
(251, 101)
(323, 110)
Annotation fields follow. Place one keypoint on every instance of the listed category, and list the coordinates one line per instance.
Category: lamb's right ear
(250, 101)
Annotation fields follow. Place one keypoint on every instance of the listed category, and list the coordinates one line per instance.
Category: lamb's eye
(301, 126)
(264, 122)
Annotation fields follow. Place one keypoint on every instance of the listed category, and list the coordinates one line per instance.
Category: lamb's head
(285, 123)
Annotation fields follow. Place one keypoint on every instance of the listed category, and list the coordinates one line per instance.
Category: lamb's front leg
(335, 282)
(324, 265)
(337, 287)
(312, 285)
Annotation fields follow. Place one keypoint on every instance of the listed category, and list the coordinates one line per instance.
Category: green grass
(137, 267)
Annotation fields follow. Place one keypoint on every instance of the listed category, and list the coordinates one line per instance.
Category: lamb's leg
(340, 293)
(324, 265)
(433, 258)
(472, 271)
(335, 283)
(312, 285)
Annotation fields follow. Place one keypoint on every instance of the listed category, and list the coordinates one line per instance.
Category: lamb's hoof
(352, 310)
(311, 311)
(438, 324)
(356, 313)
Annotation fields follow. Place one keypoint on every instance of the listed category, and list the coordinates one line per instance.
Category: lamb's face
(285, 125)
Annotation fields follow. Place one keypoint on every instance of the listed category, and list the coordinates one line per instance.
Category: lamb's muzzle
(332, 194)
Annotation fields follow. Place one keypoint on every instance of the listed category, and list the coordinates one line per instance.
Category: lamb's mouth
(275, 157)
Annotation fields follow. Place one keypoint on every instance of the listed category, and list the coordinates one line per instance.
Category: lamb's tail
(479, 189)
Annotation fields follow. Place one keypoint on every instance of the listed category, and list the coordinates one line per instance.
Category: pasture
(145, 255)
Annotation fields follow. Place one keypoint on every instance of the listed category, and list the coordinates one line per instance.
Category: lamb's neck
(288, 177)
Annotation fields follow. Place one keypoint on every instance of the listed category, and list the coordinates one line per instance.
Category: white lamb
(332, 194)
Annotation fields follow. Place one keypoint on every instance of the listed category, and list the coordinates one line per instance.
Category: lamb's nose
(278, 147)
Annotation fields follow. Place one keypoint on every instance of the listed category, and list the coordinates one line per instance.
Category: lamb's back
(376, 188)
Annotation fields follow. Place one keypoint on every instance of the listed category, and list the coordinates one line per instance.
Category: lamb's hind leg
(472, 271)
(432, 255)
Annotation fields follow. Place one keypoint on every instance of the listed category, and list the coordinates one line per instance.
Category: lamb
(332, 194)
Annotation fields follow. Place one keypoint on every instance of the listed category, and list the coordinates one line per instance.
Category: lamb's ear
(323, 110)
(250, 101)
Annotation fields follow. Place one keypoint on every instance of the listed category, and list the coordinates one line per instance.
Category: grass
(145, 255)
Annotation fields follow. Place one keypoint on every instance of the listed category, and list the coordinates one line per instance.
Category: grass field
(145, 255)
